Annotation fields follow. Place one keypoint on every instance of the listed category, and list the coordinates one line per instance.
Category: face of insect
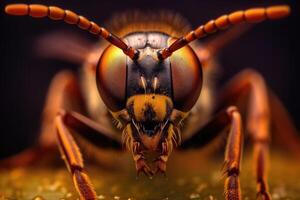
(149, 96)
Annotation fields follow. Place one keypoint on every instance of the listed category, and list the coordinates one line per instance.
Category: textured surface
(186, 179)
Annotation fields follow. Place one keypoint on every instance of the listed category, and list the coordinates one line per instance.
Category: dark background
(270, 47)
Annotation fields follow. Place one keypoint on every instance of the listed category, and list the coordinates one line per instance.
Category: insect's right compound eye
(111, 78)
(186, 78)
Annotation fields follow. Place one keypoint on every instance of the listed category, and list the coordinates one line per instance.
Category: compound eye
(111, 78)
(186, 78)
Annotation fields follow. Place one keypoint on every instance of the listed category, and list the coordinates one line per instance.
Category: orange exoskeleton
(151, 80)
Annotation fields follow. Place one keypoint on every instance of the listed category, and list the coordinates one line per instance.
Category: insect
(154, 83)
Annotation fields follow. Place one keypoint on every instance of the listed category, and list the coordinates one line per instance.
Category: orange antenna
(56, 13)
(253, 15)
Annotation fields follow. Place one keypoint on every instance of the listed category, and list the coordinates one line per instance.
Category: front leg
(258, 120)
(73, 159)
(229, 118)
(90, 130)
(233, 155)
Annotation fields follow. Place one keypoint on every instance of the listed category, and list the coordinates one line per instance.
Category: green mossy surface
(187, 178)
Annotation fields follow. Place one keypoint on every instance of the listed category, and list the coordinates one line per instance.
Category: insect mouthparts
(150, 128)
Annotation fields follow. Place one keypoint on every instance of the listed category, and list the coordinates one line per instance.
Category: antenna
(253, 15)
(56, 13)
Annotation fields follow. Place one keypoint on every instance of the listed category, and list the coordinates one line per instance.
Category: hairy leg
(65, 95)
(233, 155)
(69, 97)
(73, 159)
(251, 84)
(249, 90)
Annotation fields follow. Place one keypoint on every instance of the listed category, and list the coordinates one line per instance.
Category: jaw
(151, 143)
(159, 144)
(152, 166)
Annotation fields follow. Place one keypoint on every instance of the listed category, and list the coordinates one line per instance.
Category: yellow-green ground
(189, 177)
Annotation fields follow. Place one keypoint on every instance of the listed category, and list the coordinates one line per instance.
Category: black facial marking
(148, 66)
(150, 128)
(149, 113)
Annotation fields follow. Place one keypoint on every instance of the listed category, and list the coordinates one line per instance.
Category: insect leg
(91, 131)
(57, 45)
(63, 93)
(73, 159)
(251, 84)
(284, 128)
(229, 118)
(233, 155)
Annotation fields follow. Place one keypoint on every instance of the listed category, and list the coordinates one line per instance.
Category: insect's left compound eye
(111, 78)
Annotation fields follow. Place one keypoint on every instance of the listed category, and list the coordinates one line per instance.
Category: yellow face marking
(158, 103)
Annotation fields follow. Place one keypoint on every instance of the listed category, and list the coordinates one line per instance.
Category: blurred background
(270, 47)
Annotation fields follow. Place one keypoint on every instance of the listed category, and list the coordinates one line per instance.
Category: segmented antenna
(56, 13)
(253, 15)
